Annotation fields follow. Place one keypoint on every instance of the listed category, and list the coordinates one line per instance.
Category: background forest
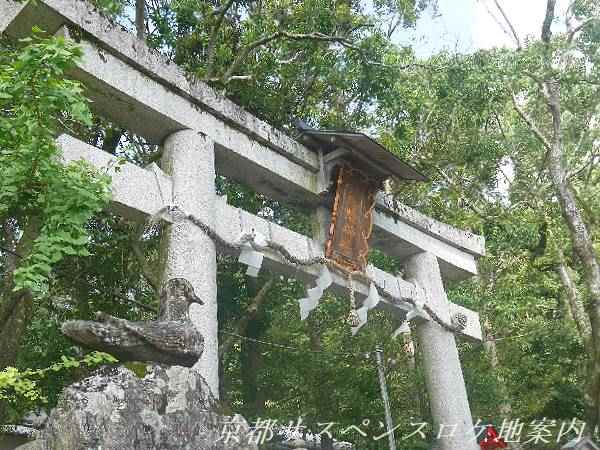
(509, 138)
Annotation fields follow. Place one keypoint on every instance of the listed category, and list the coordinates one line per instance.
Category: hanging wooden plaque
(351, 219)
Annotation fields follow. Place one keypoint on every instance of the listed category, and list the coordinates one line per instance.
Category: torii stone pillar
(443, 374)
(187, 252)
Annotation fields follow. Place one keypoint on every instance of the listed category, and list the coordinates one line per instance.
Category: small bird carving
(172, 339)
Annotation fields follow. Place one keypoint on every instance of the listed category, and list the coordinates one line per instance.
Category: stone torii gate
(200, 131)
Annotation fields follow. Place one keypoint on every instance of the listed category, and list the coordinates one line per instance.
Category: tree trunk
(112, 137)
(16, 306)
(241, 328)
(582, 245)
(582, 322)
(322, 399)
(251, 313)
(423, 409)
(140, 20)
(578, 230)
(574, 304)
(505, 406)
(410, 347)
(251, 364)
(253, 324)
(489, 344)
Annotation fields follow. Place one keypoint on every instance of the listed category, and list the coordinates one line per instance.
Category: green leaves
(36, 101)
(12, 379)
(20, 389)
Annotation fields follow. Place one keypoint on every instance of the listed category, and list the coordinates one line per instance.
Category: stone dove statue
(172, 339)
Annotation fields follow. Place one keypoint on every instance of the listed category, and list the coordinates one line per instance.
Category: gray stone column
(443, 374)
(187, 252)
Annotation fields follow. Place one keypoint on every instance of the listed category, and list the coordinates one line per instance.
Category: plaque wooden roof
(362, 147)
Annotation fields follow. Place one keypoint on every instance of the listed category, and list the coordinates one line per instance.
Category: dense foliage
(476, 124)
(36, 101)
(45, 205)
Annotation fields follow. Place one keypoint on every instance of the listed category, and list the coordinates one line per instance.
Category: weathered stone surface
(300, 444)
(461, 239)
(441, 365)
(186, 251)
(113, 409)
(172, 339)
(175, 342)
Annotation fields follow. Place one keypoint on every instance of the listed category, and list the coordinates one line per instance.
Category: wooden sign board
(352, 218)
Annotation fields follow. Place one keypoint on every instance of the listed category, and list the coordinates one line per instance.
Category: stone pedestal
(168, 409)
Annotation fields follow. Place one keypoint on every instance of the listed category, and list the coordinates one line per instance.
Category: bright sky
(466, 25)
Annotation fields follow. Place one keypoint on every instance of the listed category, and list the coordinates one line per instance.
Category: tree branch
(251, 312)
(571, 34)
(241, 57)
(535, 78)
(459, 189)
(510, 25)
(148, 274)
(122, 298)
(232, 78)
(10, 252)
(532, 126)
(537, 133)
(140, 18)
(547, 24)
(9, 232)
(314, 36)
(212, 42)
(593, 154)
(574, 305)
(250, 48)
